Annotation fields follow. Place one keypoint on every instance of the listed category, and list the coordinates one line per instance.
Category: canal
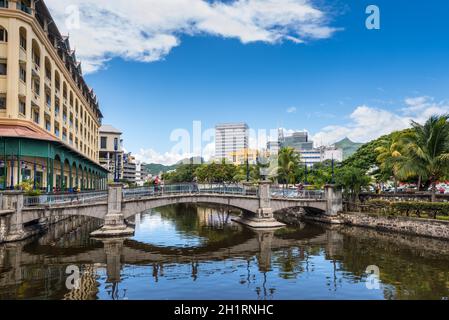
(197, 252)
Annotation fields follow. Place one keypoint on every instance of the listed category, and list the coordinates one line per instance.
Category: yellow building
(240, 157)
(49, 117)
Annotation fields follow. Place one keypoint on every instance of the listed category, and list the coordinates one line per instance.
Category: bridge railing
(284, 193)
(75, 198)
(184, 189)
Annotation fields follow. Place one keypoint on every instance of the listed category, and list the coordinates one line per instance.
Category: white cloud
(368, 123)
(173, 157)
(147, 30)
(291, 110)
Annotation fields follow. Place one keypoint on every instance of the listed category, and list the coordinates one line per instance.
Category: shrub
(429, 208)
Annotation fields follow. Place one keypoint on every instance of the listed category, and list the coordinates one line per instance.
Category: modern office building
(304, 146)
(129, 168)
(111, 151)
(49, 117)
(273, 147)
(230, 138)
(299, 141)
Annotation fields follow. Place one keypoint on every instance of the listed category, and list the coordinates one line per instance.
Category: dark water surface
(185, 252)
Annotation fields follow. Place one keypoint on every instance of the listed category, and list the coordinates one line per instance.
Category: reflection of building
(49, 117)
(230, 139)
(111, 150)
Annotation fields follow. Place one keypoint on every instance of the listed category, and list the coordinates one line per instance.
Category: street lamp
(115, 160)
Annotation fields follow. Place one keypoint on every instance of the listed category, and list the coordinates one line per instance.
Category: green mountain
(156, 168)
(349, 148)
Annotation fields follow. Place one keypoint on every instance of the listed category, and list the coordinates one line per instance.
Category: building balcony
(3, 84)
(22, 88)
(22, 55)
(3, 50)
(48, 82)
(36, 99)
(24, 8)
(36, 70)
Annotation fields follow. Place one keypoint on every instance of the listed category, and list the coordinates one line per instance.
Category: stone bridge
(257, 210)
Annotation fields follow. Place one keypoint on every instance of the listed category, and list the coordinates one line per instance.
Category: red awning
(17, 131)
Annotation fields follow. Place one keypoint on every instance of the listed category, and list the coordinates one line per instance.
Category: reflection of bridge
(119, 204)
(16, 259)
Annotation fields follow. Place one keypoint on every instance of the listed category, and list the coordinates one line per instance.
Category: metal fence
(155, 191)
(75, 198)
(296, 194)
(184, 189)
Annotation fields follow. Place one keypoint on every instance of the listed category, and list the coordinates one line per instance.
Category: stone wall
(414, 226)
(438, 229)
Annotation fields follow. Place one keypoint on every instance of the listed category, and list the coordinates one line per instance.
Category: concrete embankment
(438, 229)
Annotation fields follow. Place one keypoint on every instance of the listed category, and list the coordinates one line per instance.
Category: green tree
(426, 151)
(389, 152)
(289, 162)
(352, 181)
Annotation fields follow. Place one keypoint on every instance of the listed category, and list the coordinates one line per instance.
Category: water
(187, 252)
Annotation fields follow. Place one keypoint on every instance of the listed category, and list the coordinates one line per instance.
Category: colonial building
(49, 117)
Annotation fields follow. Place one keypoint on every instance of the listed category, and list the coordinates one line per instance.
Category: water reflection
(189, 252)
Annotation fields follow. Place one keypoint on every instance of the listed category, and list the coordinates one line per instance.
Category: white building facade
(230, 139)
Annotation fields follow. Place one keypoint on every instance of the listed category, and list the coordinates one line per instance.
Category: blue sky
(349, 82)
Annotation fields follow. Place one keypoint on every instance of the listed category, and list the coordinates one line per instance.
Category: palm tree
(426, 151)
(389, 152)
(289, 161)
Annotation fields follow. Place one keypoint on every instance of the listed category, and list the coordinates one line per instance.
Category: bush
(429, 208)
(407, 208)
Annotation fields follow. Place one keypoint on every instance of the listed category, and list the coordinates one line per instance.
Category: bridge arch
(132, 207)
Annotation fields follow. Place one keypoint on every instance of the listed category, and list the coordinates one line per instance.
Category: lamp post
(333, 173)
(247, 165)
(305, 174)
(115, 160)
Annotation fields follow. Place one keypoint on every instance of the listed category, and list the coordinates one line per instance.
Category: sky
(158, 66)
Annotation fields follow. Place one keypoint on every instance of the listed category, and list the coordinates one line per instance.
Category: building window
(3, 68)
(37, 87)
(23, 74)
(3, 35)
(23, 43)
(104, 142)
(36, 117)
(22, 107)
(2, 102)
(57, 129)
(47, 125)
(48, 100)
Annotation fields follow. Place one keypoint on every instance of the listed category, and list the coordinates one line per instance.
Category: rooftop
(107, 128)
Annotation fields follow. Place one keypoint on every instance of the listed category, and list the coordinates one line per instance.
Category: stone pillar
(13, 200)
(265, 211)
(334, 198)
(265, 239)
(263, 217)
(113, 250)
(114, 221)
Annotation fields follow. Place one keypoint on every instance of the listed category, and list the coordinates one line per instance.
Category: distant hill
(349, 148)
(156, 168)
